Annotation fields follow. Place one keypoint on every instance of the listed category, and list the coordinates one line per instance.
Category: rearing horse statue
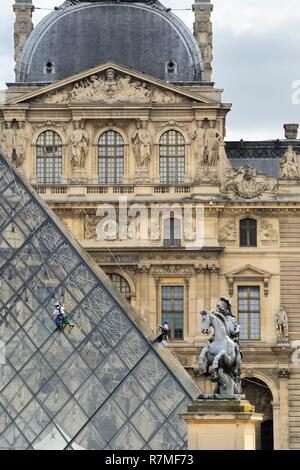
(221, 356)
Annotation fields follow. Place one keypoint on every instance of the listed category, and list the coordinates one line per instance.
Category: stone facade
(80, 110)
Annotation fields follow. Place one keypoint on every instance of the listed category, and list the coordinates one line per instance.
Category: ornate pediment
(111, 84)
(248, 273)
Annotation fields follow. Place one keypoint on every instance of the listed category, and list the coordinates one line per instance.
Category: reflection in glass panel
(13, 439)
(36, 372)
(15, 396)
(70, 419)
(127, 439)
(53, 395)
(52, 438)
(91, 395)
(109, 420)
(147, 419)
(111, 372)
(129, 396)
(32, 420)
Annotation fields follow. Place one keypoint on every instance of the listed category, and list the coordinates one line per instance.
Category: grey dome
(75, 37)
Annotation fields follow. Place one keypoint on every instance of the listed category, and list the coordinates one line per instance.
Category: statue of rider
(232, 327)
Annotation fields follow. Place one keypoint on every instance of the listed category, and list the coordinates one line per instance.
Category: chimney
(23, 24)
(291, 131)
(204, 34)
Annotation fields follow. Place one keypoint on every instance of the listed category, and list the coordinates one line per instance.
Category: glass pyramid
(101, 386)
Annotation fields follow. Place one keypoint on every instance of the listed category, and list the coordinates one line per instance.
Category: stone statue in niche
(8, 141)
(79, 142)
(282, 323)
(21, 145)
(290, 164)
(141, 141)
(212, 147)
(199, 144)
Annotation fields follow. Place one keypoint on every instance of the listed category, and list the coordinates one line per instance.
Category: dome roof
(79, 35)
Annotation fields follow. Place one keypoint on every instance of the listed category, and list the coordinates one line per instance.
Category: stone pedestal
(79, 176)
(221, 425)
(142, 176)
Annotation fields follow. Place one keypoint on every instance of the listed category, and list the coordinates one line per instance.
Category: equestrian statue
(221, 358)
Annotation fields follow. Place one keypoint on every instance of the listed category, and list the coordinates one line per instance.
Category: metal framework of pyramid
(102, 386)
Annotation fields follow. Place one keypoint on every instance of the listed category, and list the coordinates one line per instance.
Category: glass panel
(127, 439)
(13, 439)
(109, 420)
(15, 396)
(166, 439)
(36, 372)
(147, 419)
(70, 419)
(50, 439)
(150, 371)
(91, 395)
(89, 438)
(53, 395)
(111, 372)
(74, 372)
(32, 420)
(129, 396)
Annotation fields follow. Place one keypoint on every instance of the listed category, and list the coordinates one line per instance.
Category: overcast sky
(256, 59)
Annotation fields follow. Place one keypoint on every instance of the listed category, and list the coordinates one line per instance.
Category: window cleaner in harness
(60, 317)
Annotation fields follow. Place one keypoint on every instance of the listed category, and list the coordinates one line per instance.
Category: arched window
(111, 158)
(248, 233)
(172, 158)
(121, 284)
(172, 232)
(48, 158)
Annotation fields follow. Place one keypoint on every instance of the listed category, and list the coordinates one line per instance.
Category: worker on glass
(60, 317)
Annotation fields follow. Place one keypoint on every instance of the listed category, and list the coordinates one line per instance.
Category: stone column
(203, 34)
(221, 425)
(143, 271)
(282, 434)
(23, 25)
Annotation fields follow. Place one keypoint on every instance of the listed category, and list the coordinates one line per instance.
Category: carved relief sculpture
(247, 183)
(141, 141)
(290, 164)
(111, 86)
(282, 323)
(268, 235)
(79, 142)
(228, 232)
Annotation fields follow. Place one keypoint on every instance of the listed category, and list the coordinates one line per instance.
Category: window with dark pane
(249, 312)
(121, 284)
(49, 158)
(172, 232)
(248, 233)
(111, 158)
(172, 158)
(173, 309)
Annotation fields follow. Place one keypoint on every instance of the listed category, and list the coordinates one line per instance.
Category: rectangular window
(173, 309)
(249, 312)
